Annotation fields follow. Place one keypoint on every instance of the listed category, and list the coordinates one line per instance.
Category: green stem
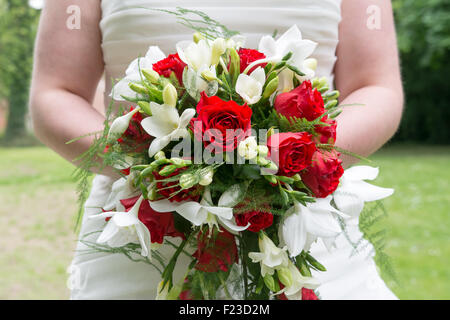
(225, 288)
(244, 269)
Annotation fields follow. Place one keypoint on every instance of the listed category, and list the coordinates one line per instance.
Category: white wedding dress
(128, 30)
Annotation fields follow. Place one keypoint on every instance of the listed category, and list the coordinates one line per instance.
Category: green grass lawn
(38, 209)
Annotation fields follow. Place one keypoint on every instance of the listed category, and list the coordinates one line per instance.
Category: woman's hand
(67, 68)
(368, 73)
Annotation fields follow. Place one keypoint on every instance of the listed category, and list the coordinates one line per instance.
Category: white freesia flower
(248, 148)
(201, 213)
(294, 291)
(286, 83)
(290, 41)
(303, 225)
(154, 54)
(271, 257)
(353, 191)
(123, 188)
(250, 87)
(165, 125)
(195, 55)
(124, 228)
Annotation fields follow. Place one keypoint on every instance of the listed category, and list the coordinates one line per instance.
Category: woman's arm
(367, 72)
(67, 67)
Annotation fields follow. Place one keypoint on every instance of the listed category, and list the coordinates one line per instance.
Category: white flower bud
(206, 176)
(188, 180)
(151, 75)
(248, 149)
(263, 151)
(120, 125)
(160, 155)
(208, 75)
(218, 48)
(170, 95)
(285, 276)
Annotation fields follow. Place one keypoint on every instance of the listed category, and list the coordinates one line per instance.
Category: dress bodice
(129, 28)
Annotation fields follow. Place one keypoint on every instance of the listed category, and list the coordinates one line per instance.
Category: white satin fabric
(128, 30)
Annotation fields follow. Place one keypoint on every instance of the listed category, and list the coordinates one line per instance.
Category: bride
(356, 49)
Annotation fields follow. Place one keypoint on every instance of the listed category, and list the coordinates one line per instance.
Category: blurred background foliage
(18, 24)
(423, 29)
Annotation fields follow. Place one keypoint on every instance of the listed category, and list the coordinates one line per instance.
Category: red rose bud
(302, 102)
(172, 63)
(160, 224)
(215, 253)
(292, 152)
(327, 133)
(259, 220)
(322, 178)
(216, 117)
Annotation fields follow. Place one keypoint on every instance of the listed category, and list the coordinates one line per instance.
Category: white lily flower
(154, 54)
(201, 213)
(250, 87)
(124, 228)
(271, 257)
(294, 291)
(248, 148)
(353, 191)
(303, 225)
(195, 55)
(165, 125)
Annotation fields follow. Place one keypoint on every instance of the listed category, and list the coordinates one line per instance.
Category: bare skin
(69, 65)
(367, 72)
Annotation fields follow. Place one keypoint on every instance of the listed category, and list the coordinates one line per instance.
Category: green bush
(423, 29)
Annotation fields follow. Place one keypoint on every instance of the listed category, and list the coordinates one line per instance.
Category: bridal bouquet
(228, 155)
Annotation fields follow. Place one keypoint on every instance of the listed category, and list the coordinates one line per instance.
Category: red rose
(159, 224)
(215, 253)
(186, 295)
(258, 219)
(308, 294)
(172, 63)
(248, 56)
(292, 152)
(172, 191)
(216, 117)
(322, 178)
(302, 102)
(326, 133)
